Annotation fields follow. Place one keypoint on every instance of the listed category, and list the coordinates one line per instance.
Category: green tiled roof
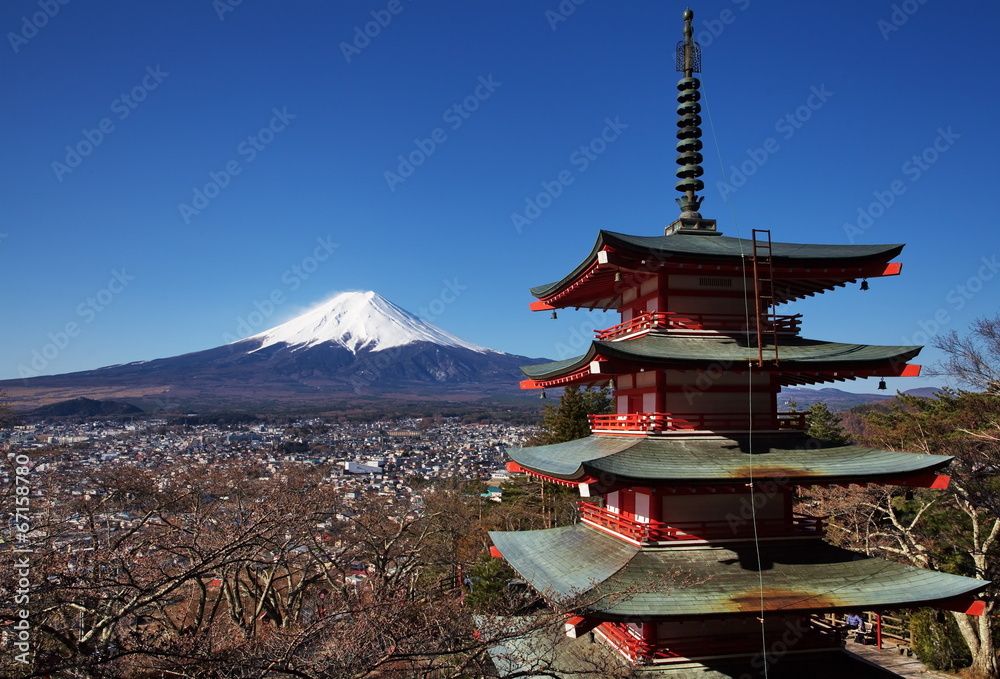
(663, 350)
(720, 459)
(720, 248)
(606, 576)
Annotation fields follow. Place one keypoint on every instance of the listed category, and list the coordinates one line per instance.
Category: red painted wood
(633, 423)
(967, 605)
(624, 524)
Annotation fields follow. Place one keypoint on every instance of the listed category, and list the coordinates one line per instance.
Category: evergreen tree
(568, 421)
(487, 589)
(825, 426)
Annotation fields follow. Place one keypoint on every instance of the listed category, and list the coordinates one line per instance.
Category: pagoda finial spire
(689, 123)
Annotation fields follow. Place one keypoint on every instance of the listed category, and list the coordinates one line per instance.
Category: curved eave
(804, 269)
(801, 360)
(610, 579)
(723, 460)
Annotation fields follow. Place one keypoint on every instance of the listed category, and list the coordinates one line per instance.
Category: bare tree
(224, 571)
(973, 359)
(957, 530)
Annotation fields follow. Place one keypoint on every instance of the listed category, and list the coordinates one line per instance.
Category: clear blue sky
(159, 98)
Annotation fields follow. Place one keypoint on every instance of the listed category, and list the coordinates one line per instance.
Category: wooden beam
(928, 480)
(966, 605)
(577, 626)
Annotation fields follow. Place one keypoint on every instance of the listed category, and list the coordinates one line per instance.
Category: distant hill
(838, 400)
(85, 407)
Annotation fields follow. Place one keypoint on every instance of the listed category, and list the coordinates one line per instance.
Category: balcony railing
(800, 525)
(657, 423)
(691, 648)
(723, 323)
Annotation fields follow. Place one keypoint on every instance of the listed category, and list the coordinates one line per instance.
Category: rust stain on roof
(781, 599)
(769, 471)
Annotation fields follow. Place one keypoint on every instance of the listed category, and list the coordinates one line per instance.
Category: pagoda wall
(645, 297)
(719, 390)
(689, 509)
(716, 390)
(640, 392)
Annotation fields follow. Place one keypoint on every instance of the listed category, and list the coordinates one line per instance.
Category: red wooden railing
(671, 320)
(644, 423)
(800, 525)
(690, 648)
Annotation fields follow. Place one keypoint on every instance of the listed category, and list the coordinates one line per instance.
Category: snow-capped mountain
(357, 344)
(359, 321)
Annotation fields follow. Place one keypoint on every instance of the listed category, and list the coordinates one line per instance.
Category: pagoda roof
(816, 360)
(715, 460)
(612, 579)
(804, 269)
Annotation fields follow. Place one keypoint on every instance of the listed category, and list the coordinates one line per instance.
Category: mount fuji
(355, 345)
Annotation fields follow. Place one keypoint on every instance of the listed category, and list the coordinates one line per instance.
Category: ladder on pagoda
(763, 292)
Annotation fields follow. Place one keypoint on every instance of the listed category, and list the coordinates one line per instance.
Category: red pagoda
(688, 553)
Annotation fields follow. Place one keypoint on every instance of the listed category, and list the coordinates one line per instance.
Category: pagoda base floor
(590, 657)
(739, 641)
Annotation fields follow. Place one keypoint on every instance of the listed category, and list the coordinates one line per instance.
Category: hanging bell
(611, 384)
(864, 284)
(881, 385)
(554, 315)
(543, 394)
(618, 276)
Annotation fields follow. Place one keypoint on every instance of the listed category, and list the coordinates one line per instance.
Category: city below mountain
(357, 345)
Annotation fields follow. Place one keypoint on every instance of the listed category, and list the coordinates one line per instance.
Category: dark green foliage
(825, 426)
(937, 641)
(487, 588)
(568, 421)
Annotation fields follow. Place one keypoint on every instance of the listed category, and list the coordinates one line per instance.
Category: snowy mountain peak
(360, 320)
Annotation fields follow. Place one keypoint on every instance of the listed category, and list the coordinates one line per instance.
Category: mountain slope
(360, 321)
(356, 344)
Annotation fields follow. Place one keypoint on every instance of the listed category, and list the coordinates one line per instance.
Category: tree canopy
(567, 420)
